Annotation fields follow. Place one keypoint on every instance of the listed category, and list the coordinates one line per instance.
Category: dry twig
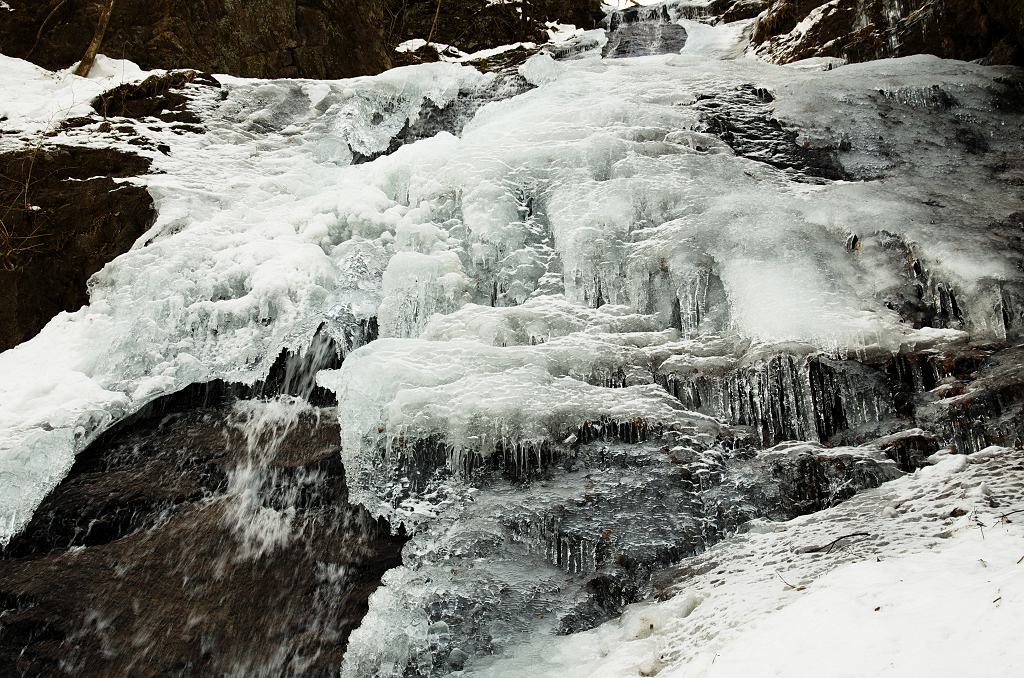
(42, 27)
(831, 544)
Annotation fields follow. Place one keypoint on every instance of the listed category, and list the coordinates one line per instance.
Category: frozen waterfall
(593, 315)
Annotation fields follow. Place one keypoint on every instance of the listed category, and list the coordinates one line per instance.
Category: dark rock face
(325, 39)
(742, 119)
(63, 218)
(153, 97)
(857, 31)
(981, 408)
(1010, 15)
(197, 543)
(970, 397)
(473, 25)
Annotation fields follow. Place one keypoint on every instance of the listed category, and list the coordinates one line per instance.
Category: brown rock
(63, 218)
(323, 39)
(1009, 14)
(857, 31)
(473, 25)
(137, 564)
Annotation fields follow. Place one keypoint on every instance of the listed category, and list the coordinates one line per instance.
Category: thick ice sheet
(597, 186)
(259, 239)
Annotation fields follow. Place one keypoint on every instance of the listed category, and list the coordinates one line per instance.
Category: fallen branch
(1010, 513)
(798, 588)
(836, 541)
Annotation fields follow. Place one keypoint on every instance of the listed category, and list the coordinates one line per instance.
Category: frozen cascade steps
(588, 273)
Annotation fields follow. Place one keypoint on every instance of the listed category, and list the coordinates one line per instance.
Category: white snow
(35, 101)
(626, 4)
(725, 41)
(452, 54)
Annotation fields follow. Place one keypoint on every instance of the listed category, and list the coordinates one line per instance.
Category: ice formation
(694, 253)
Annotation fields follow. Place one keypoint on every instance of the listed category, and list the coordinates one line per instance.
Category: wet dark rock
(1010, 16)
(985, 407)
(64, 217)
(968, 397)
(621, 534)
(324, 39)
(608, 592)
(140, 563)
(806, 482)
(433, 119)
(788, 397)
(910, 449)
(742, 119)
(639, 31)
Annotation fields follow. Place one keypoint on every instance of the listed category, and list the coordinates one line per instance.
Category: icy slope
(920, 577)
(259, 239)
(545, 272)
(561, 278)
(599, 185)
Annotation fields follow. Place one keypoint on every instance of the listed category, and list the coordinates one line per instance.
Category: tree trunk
(97, 39)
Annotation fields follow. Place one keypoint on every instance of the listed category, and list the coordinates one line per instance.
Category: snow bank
(35, 101)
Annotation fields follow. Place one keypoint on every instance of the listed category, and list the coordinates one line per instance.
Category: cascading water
(564, 327)
(641, 31)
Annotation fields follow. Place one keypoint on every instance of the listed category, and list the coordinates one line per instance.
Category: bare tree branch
(433, 25)
(42, 27)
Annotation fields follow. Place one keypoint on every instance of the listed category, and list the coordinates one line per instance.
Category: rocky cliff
(472, 25)
(323, 39)
(859, 30)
